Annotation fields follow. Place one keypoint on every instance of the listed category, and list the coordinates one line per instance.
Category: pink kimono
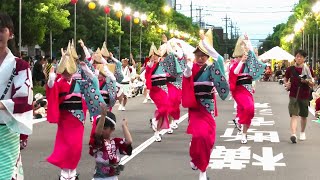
(67, 106)
(68, 145)
(174, 91)
(241, 86)
(198, 97)
(156, 83)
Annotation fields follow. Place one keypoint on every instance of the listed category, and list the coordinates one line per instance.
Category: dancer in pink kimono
(174, 82)
(198, 96)
(157, 73)
(67, 108)
(245, 69)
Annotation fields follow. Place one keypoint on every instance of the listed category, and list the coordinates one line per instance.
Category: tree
(38, 16)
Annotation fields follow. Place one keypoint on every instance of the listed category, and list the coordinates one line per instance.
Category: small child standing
(105, 149)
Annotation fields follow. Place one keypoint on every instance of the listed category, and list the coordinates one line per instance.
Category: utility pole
(231, 31)
(175, 5)
(200, 16)
(237, 32)
(191, 11)
(226, 19)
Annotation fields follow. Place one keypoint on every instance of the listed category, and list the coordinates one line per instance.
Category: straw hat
(98, 56)
(67, 62)
(241, 47)
(73, 51)
(153, 50)
(209, 39)
(104, 50)
(101, 68)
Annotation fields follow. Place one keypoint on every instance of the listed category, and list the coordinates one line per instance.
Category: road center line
(147, 143)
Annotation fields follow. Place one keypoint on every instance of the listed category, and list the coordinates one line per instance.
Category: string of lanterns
(136, 17)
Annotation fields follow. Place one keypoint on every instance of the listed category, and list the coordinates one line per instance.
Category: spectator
(299, 81)
(47, 68)
(54, 63)
(37, 73)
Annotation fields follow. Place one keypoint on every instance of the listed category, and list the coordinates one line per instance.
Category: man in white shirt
(129, 73)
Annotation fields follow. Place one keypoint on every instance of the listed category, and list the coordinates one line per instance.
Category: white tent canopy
(277, 53)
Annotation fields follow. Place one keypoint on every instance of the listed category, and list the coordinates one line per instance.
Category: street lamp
(127, 11)
(103, 2)
(316, 10)
(143, 17)
(299, 26)
(136, 14)
(289, 38)
(117, 7)
(166, 9)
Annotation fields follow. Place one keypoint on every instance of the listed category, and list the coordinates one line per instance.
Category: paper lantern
(107, 10)
(136, 20)
(92, 5)
(74, 2)
(128, 18)
(119, 14)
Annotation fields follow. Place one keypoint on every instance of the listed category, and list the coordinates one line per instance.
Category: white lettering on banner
(257, 121)
(253, 135)
(267, 160)
(230, 158)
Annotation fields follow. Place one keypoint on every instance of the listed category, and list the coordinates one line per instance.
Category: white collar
(8, 57)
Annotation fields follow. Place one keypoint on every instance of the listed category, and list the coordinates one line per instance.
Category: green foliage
(38, 18)
(302, 11)
(39, 89)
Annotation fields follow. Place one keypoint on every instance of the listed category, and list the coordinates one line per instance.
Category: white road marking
(267, 160)
(147, 143)
(312, 111)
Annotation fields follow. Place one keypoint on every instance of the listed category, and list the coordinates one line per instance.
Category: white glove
(52, 78)
(150, 64)
(96, 72)
(188, 71)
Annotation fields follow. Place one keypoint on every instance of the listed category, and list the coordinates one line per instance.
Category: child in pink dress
(105, 149)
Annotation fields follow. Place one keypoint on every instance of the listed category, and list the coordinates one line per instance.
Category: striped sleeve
(19, 107)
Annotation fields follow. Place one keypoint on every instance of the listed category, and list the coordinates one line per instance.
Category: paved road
(268, 155)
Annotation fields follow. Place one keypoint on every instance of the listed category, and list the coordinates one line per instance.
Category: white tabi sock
(68, 174)
(203, 175)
